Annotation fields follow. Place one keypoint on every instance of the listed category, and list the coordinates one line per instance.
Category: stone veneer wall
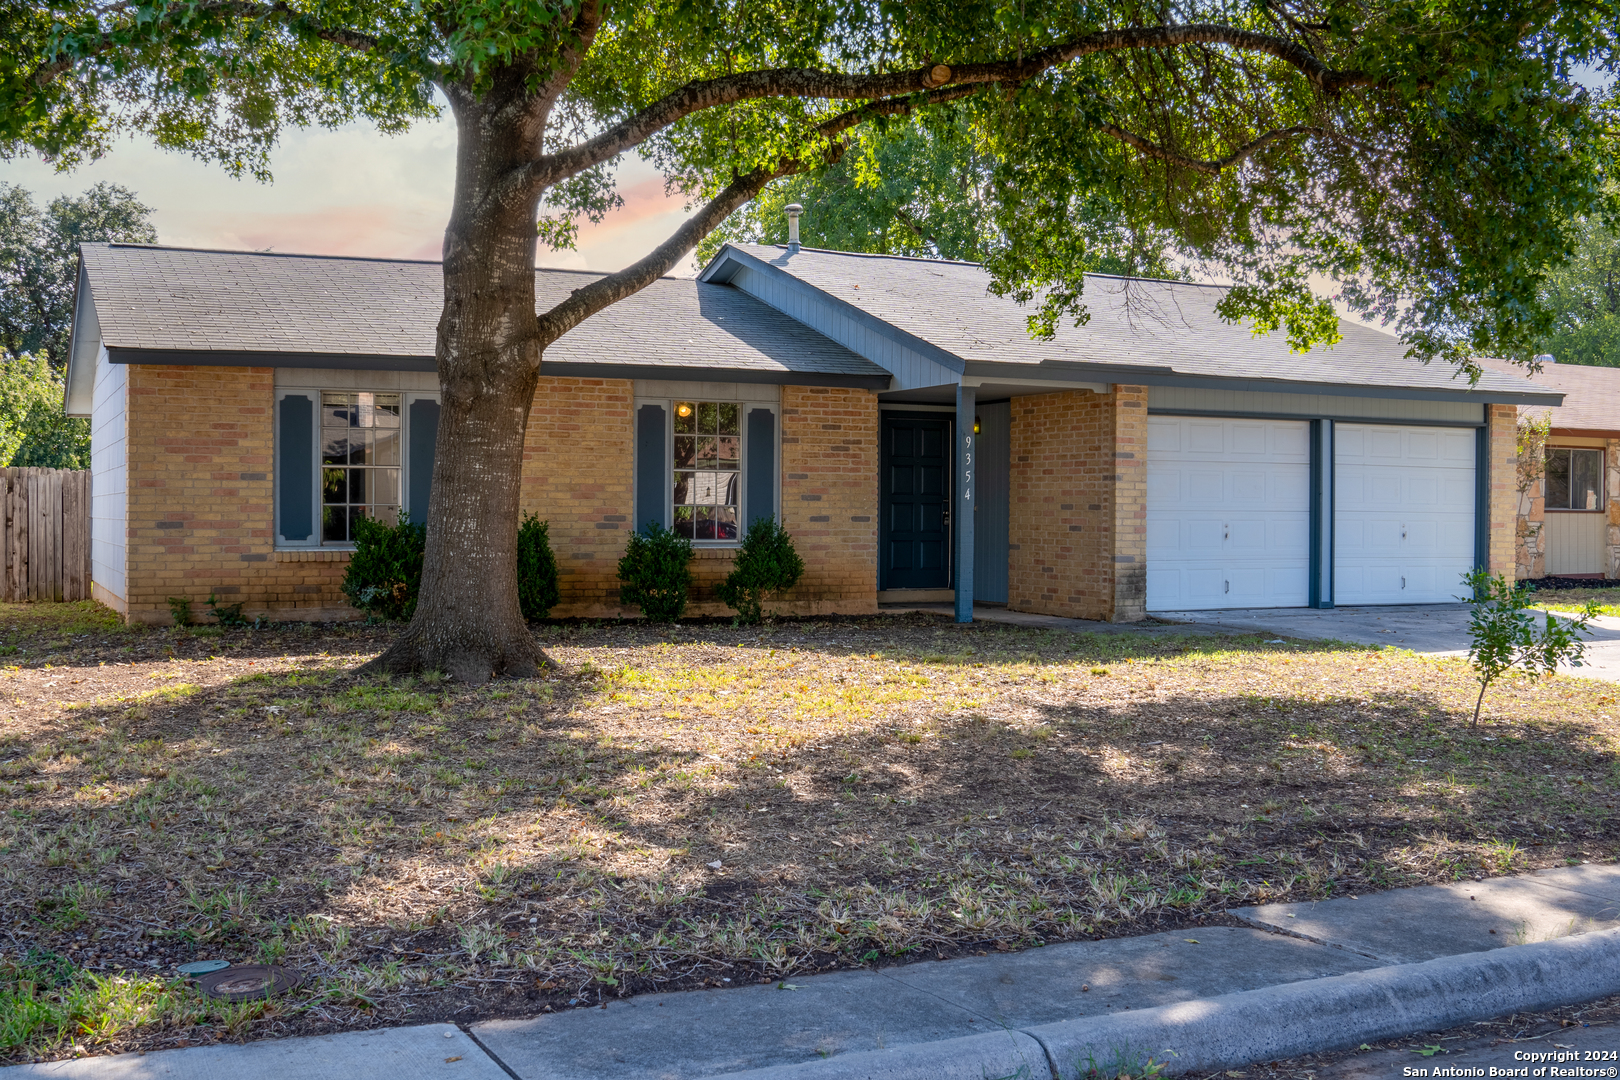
(1078, 502)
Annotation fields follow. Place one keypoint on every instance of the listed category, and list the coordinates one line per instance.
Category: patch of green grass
(1574, 600)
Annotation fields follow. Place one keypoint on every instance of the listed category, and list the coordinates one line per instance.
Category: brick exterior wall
(829, 497)
(1078, 504)
(1502, 441)
(578, 472)
(201, 512)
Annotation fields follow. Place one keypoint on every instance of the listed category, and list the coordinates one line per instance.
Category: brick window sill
(313, 555)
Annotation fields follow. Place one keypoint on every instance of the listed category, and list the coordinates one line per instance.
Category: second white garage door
(1403, 513)
(1228, 513)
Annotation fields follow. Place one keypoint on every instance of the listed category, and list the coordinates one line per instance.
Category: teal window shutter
(653, 478)
(761, 464)
(424, 437)
(295, 468)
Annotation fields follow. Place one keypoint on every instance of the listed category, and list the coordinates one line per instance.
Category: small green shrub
(536, 569)
(385, 571)
(656, 573)
(225, 614)
(1505, 636)
(766, 563)
(180, 610)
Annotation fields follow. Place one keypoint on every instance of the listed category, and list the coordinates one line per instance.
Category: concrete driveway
(1435, 629)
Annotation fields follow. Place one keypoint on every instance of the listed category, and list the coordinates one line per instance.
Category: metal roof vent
(1546, 358)
(793, 212)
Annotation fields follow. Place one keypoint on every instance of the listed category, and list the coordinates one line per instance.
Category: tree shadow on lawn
(905, 791)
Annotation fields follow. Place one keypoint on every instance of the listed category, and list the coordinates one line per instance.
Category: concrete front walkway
(1383, 965)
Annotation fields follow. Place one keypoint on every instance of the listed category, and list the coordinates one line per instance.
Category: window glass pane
(334, 486)
(1586, 479)
(725, 523)
(684, 521)
(707, 415)
(1557, 479)
(386, 447)
(385, 489)
(705, 452)
(728, 418)
(726, 488)
(337, 410)
(358, 485)
(729, 452)
(685, 418)
(684, 489)
(705, 523)
(335, 449)
(685, 451)
(387, 406)
(335, 524)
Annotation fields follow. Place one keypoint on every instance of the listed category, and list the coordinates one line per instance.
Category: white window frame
(742, 395)
(316, 544)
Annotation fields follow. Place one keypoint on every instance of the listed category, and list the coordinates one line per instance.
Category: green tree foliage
(656, 572)
(1432, 158)
(39, 259)
(1504, 634)
(766, 563)
(34, 431)
(1584, 296)
(924, 190)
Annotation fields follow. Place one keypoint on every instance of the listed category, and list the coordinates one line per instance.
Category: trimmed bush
(765, 564)
(385, 571)
(656, 573)
(536, 569)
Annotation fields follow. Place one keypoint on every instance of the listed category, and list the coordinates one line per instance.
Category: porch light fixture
(683, 410)
(975, 425)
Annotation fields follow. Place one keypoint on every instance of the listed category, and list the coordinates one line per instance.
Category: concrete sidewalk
(1292, 978)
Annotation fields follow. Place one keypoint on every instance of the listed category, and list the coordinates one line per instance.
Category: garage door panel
(1233, 528)
(1403, 514)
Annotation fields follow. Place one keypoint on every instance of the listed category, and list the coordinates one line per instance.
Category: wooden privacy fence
(45, 534)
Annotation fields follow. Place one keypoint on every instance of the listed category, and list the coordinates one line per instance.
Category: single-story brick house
(247, 406)
(1569, 514)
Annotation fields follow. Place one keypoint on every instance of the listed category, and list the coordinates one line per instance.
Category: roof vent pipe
(793, 212)
(1546, 358)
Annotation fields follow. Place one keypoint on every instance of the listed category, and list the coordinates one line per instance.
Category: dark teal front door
(916, 464)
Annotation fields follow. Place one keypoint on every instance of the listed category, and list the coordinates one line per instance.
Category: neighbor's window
(359, 461)
(1574, 479)
(708, 469)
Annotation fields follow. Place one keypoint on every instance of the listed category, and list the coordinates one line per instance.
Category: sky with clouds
(350, 191)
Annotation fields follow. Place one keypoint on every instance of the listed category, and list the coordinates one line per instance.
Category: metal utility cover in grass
(248, 982)
(203, 967)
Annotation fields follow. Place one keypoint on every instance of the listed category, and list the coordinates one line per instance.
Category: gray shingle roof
(158, 298)
(1591, 394)
(1170, 325)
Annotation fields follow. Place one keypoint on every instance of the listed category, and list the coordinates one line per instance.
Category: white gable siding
(109, 483)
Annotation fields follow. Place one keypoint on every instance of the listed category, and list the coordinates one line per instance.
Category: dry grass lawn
(706, 805)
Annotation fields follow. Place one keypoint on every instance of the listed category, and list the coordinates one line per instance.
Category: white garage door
(1228, 513)
(1403, 513)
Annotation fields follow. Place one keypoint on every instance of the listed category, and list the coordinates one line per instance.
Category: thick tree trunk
(467, 620)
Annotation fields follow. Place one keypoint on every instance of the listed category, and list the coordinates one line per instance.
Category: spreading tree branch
(1215, 167)
(811, 83)
(604, 291)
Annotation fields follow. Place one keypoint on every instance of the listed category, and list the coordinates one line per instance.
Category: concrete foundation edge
(1317, 1015)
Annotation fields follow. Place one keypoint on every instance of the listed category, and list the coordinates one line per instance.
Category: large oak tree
(1430, 156)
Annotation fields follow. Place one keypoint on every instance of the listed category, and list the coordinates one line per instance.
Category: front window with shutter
(708, 470)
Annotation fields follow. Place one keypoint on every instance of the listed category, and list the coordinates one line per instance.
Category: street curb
(1342, 1011)
(997, 1055)
(1335, 1013)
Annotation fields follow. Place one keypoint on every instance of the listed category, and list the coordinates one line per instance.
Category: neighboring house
(247, 407)
(1569, 513)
